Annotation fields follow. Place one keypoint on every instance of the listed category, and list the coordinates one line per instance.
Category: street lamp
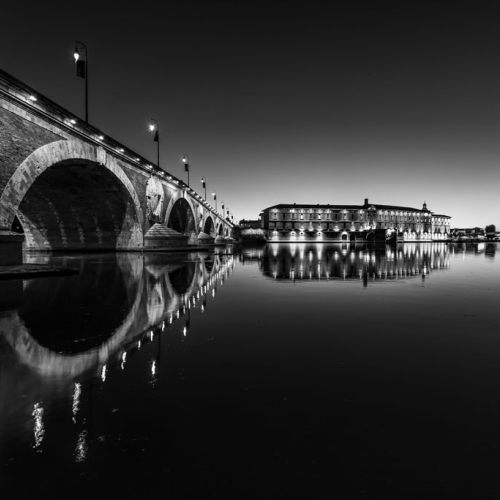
(204, 184)
(186, 166)
(82, 70)
(214, 194)
(153, 127)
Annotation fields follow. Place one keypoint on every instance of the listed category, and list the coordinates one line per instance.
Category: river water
(288, 371)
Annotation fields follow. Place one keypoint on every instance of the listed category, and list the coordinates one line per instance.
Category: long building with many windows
(370, 221)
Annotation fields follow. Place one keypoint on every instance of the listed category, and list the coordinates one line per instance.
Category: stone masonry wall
(18, 139)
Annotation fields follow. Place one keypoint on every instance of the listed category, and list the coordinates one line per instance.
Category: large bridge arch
(70, 195)
(209, 227)
(181, 214)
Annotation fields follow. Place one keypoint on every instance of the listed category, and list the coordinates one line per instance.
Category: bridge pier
(11, 248)
(161, 236)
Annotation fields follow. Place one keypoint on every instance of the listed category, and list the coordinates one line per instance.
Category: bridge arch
(181, 215)
(209, 227)
(69, 195)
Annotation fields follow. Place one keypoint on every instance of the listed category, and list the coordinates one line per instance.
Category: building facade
(370, 221)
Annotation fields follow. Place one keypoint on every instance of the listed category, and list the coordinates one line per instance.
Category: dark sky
(286, 102)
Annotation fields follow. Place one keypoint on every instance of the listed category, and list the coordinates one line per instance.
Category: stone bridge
(70, 187)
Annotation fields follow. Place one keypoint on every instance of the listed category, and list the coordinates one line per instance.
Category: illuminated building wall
(352, 222)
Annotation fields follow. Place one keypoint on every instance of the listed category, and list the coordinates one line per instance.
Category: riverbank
(27, 271)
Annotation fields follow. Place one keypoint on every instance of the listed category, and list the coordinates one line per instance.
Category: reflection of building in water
(487, 248)
(291, 261)
(352, 222)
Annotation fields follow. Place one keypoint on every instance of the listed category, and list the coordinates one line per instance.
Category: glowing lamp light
(73, 121)
(76, 54)
(152, 127)
(101, 137)
(32, 98)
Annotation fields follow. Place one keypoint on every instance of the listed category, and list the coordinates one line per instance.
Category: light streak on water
(38, 429)
(81, 447)
(76, 400)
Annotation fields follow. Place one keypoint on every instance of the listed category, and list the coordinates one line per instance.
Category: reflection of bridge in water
(158, 292)
(319, 261)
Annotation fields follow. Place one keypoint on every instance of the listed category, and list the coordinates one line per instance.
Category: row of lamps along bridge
(82, 71)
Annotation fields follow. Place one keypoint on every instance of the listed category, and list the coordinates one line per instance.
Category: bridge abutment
(11, 248)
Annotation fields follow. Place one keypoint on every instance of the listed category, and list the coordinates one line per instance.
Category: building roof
(377, 206)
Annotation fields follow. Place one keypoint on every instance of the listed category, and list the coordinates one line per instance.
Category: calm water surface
(290, 371)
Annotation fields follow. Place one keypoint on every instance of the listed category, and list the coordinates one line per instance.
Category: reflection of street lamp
(214, 194)
(186, 166)
(153, 127)
(82, 70)
(204, 184)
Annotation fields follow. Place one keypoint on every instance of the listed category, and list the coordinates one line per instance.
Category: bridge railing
(14, 92)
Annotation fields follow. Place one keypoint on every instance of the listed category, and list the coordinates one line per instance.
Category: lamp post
(82, 70)
(204, 184)
(153, 127)
(186, 166)
(214, 194)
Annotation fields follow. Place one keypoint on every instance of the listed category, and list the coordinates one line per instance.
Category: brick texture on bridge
(18, 139)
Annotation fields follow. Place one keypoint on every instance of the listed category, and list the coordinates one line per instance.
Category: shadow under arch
(209, 227)
(180, 216)
(69, 195)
